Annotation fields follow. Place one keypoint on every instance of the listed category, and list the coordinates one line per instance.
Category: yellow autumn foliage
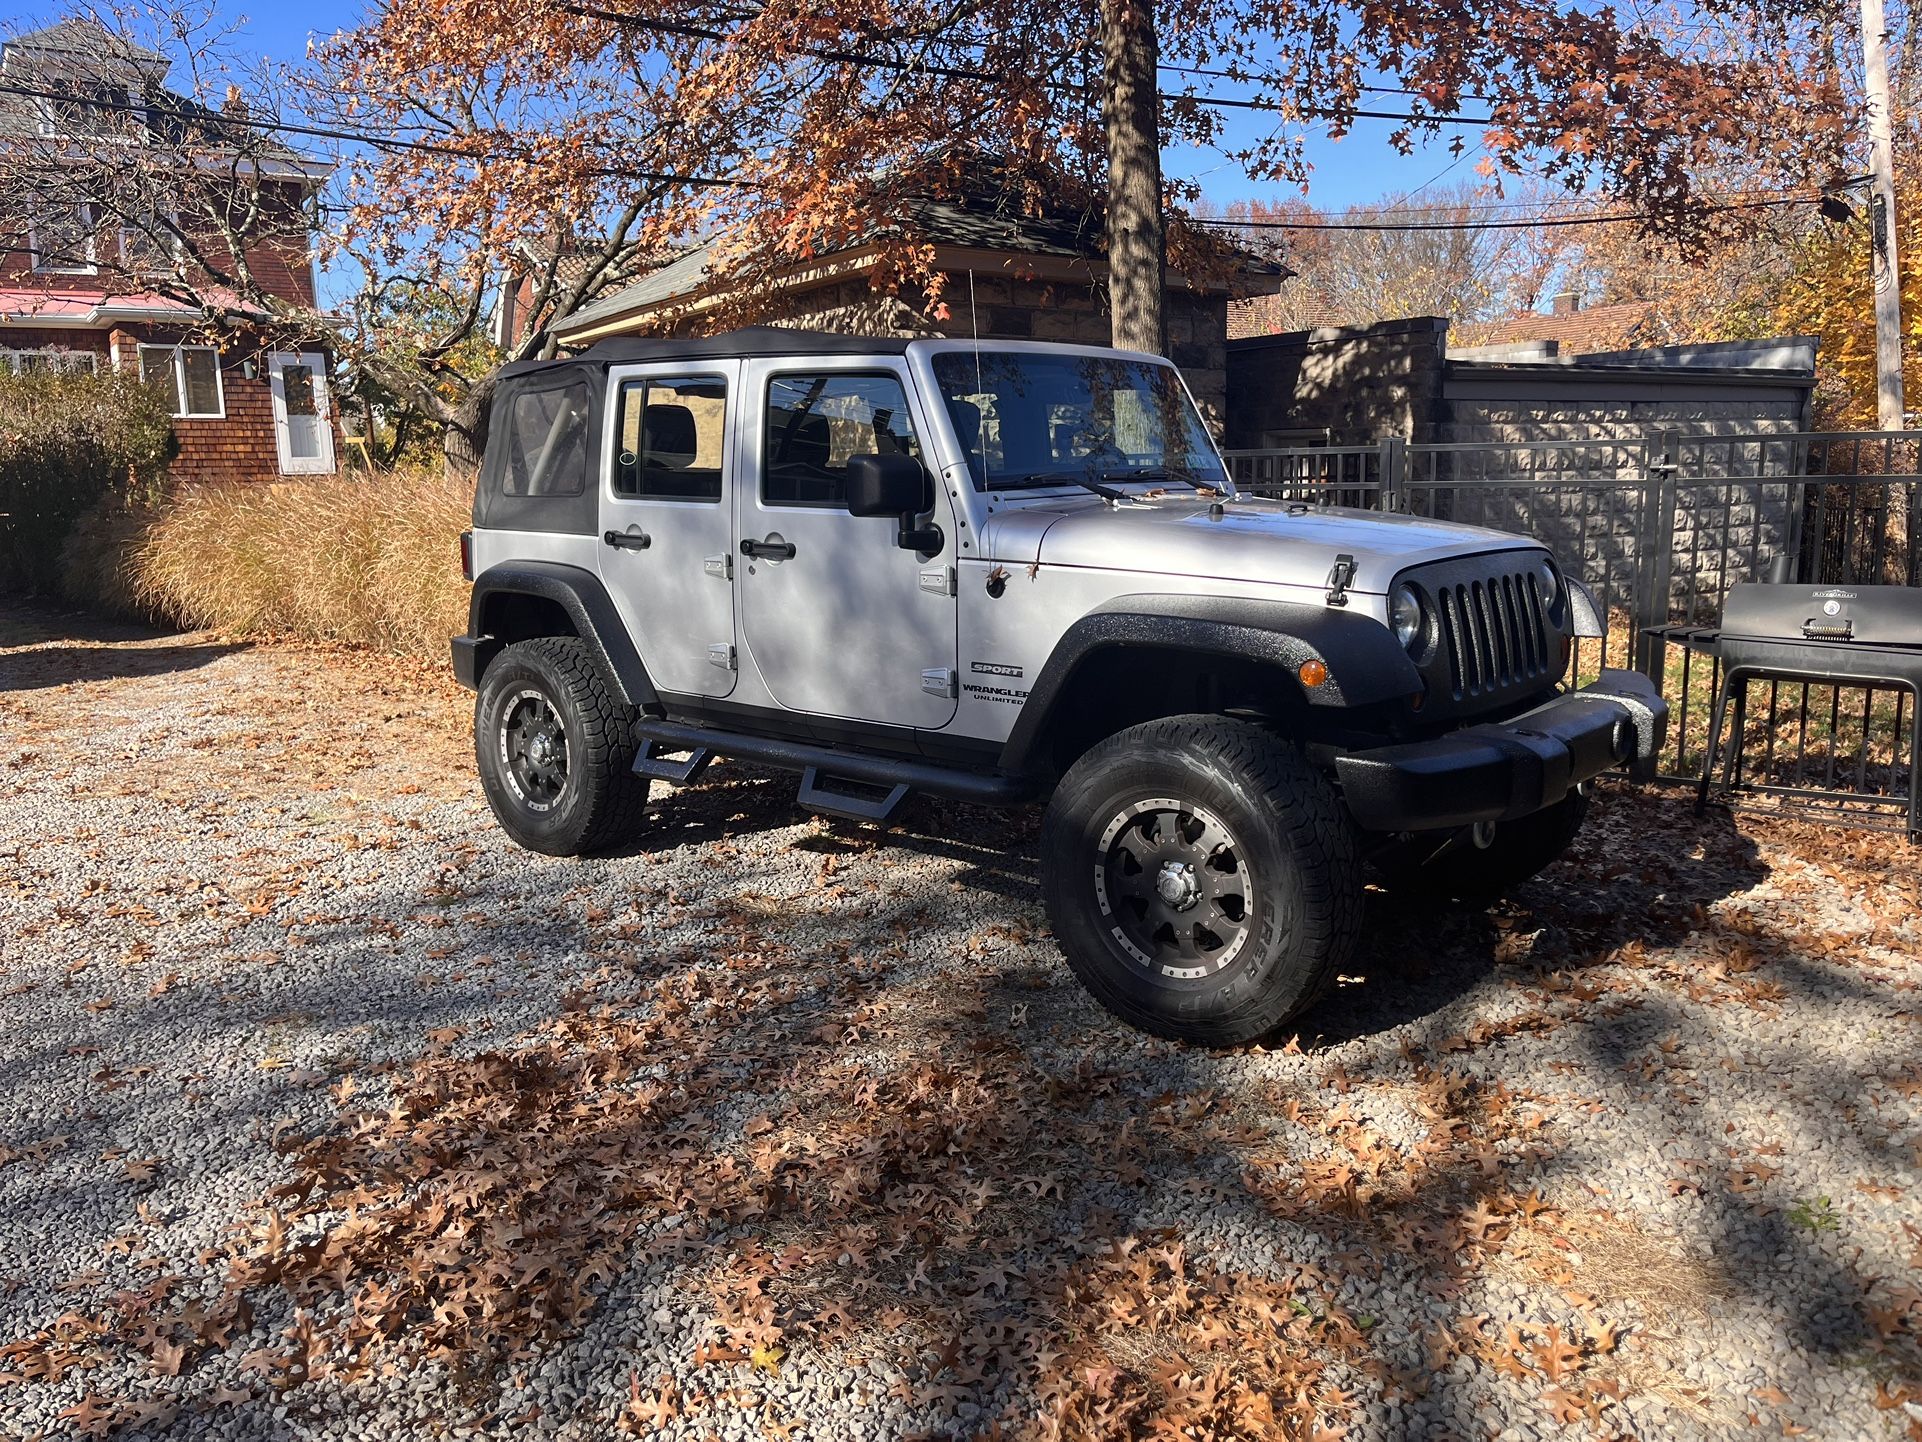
(1827, 294)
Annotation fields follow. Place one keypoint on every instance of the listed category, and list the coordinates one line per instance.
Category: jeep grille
(1496, 633)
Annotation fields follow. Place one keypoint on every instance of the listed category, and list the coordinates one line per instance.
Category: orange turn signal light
(1313, 673)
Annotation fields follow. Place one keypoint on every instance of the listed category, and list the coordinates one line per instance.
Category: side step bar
(816, 797)
(819, 764)
(650, 761)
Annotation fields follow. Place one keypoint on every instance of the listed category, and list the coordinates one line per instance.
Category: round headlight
(1551, 580)
(1405, 614)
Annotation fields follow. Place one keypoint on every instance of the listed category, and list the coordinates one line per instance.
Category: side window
(672, 432)
(548, 445)
(814, 423)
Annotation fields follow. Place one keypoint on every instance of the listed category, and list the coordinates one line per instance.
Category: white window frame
(165, 241)
(62, 360)
(91, 266)
(180, 380)
(118, 100)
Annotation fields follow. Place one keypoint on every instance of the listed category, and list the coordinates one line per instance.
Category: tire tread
(1255, 760)
(616, 798)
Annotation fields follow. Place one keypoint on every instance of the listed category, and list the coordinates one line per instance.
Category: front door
(839, 620)
(666, 524)
(303, 424)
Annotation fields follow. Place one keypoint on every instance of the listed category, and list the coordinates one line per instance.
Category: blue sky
(1359, 168)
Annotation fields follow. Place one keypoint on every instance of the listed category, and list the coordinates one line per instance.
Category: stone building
(1008, 277)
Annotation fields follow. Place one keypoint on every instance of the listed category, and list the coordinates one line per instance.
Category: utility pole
(1883, 266)
(1137, 251)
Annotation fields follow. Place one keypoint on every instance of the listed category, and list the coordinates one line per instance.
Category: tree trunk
(464, 440)
(1137, 254)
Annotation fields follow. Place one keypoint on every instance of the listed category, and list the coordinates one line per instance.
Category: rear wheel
(1514, 852)
(556, 750)
(1201, 877)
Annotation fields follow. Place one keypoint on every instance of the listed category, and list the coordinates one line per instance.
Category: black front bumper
(1508, 769)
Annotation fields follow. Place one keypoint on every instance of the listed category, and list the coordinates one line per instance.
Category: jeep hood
(1250, 540)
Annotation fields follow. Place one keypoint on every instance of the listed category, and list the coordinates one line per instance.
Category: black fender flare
(596, 621)
(1366, 664)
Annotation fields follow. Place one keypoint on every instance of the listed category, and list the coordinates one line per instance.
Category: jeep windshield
(1031, 419)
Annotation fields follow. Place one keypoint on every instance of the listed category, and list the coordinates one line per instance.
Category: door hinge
(940, 581)
(720, 567)
(721, 654)
(940, 682)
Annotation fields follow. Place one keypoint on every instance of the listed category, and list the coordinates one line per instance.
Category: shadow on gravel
(737, 799)
(47, 666)
(801, 1145)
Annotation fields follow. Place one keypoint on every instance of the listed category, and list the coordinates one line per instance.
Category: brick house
(558, 266)
(1009, 277)
(80, 292)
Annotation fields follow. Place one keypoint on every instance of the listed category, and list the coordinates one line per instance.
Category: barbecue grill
(1825, 635)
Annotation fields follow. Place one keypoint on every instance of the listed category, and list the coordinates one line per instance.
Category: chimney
(1565, 302)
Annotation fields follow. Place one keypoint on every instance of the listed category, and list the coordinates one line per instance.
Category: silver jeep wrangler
(1001, 572)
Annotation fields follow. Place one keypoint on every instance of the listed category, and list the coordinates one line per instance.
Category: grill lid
(1861, 615)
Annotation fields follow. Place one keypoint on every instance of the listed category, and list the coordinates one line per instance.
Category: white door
(839, 619)
(303, 426)
(666, 521)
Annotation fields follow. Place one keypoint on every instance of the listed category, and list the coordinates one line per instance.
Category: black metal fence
(1659, 526)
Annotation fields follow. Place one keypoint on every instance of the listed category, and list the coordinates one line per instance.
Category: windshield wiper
(1070, 478)
(1162, 473)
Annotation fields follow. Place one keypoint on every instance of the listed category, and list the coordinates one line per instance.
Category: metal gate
(1659, 526)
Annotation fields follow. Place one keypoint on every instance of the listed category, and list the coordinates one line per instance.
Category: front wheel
(556, 750)
(1201, 877)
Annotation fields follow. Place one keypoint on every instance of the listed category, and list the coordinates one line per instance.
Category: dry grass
(367, 560)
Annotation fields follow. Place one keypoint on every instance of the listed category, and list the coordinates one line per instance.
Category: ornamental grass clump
(365, 559)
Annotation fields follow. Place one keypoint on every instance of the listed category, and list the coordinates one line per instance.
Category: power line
(362, 137)
(402, 143)
(1466, 208)
(949, 72)
(952, 72)
(1531, 223)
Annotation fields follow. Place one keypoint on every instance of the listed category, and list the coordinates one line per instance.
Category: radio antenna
(974, 325)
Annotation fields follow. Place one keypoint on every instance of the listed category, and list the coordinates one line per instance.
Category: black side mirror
(894, 485)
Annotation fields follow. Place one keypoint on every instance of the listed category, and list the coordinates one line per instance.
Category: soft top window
(547, 445)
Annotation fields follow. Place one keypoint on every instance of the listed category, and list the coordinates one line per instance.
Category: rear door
(303, 425)
(849, 624)
(666, 520)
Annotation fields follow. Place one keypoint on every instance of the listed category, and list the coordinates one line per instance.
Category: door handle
(628, 540)
(768, 550)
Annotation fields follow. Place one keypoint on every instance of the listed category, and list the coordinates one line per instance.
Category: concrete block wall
(1733, 506)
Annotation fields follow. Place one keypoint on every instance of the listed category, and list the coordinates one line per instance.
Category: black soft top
(750, 342)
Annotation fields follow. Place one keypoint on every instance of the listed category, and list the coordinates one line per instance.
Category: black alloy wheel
(1173, 879)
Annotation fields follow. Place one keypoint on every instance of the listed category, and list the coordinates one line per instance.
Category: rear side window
(547, 445)
(671, 437)
(815, 423)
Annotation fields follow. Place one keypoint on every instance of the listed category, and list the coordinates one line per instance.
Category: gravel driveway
(324, 1112)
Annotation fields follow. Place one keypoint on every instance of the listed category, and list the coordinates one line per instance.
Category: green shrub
(67, 443)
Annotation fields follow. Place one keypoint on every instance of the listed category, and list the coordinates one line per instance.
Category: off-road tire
(600, 802)
(1289, 829)
(1521, 849)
